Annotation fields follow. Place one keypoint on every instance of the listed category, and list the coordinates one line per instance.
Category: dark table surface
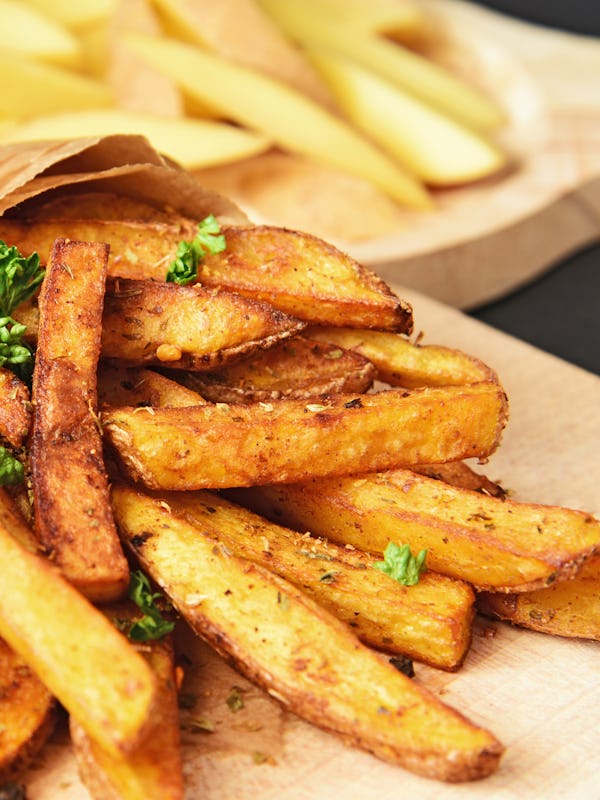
(559, 312)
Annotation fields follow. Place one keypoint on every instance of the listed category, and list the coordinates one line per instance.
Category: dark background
(559, 312)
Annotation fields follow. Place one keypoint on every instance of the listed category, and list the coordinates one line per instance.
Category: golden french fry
(75, 525)
(221, 446)
(278, 637)
(490, 542)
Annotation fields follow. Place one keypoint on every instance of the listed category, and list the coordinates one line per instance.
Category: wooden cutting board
(540, 695)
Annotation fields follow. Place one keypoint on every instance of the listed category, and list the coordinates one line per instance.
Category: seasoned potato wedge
(295, 272)
(27, 713)
(487, 541)
(95, 205)
(298, 368)
(153, 769)
(76, 526)
(15, 522)
(430, 621)
(136, 386)
(15, 408)
(277, 637)
(569, 608)
(220, 446)
(186, 327)
(458, 474)
(401, 363)
(76, 652)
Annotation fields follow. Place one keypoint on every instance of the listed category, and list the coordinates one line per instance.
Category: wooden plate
(486, 239)
(540, 695)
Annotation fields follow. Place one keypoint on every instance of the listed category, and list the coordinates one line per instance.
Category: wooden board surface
(486, 239)
(540, 695)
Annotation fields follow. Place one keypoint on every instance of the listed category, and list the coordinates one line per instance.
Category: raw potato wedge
(295, 272)
(298, 368)
(569, 608)
(187, 327)
(209, 447)
(15, 408)
(134, 386)
(76, 526)
(76, 652)
(402, 363)
(37, 36)
(490, 542)
(27, 714)
(153, 769)
(430, 621)
(305, 276)
(277, 637)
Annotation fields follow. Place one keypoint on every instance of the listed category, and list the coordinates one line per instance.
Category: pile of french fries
(252, 441)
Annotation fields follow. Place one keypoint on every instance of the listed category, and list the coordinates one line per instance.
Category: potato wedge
(278, 637)
(37, 36)
(15, 522)
(490, 542)
(27, 714)
(402, 363)
(76, 526)
(458, 474)
(298, 368)
(134, 386)
(430, 622)
(295, 272)
(207, 447)
(78, 654)
(105, 206)
(569, 608)
(186, 327)
(152, 770)
(15, 408)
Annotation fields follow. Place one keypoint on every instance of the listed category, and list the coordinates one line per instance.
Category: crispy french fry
(135, 386)
(15, 523)
(15, 408)
(401, 363)
(187, 327)
(152, 770)
(569, 608)
(298, 368)
(76, 526)
(221, 446)
(295, 272)
(27, 714)
(490, 542)
(278, 637)
(83, 660)
(430, 621)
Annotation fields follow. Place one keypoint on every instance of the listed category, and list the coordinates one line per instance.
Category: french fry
(278, 637)
(76, 526)
(430, 621)
(15, 408)
(152, 770)
(27, 714)
(208, 447)
(186, 327)
(83, 660)
(135, 386)
(402, 363)
(295, 272)
(298, 368)
(569, 608)
(490, 542)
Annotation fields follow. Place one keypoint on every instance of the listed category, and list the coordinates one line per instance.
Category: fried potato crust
(15, 408)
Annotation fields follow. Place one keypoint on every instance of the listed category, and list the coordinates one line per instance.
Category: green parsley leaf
(209, 239)
(11, 469)
(401, 565)
(152, 625)
(19, 277)
(15, 353)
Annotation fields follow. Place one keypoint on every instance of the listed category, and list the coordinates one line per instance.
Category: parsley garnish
(11, 469)
(14, 352)
(209, 239)
(152, 625)
(401, 565)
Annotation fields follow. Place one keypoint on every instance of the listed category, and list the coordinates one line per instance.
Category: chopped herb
(152, 625)
(403, 664)
(328, 577)
(235, 701)
(208, 239)
(356, 403)
(401, 565)
(11, 469)
(201, 725)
